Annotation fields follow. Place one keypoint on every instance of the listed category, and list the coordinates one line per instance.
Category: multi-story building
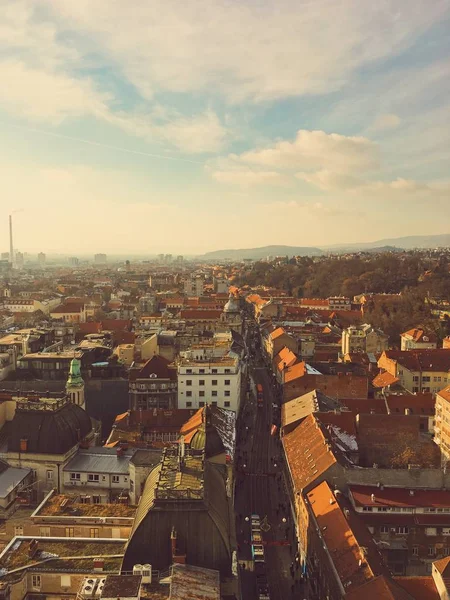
(41, 259)
(363, 338)
(418, 338)
(418, 370)
(100, 259)
(274, 341)
(194, 285)
(215, 381)
(69, 313)
(442, 423)
(154, 385)
(410, 526)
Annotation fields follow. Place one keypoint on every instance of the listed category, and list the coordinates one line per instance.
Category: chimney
(33, 547)
(99, 564)
(23, 445)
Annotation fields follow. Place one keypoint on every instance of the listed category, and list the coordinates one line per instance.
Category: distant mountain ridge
(263, 252)
(392, 244)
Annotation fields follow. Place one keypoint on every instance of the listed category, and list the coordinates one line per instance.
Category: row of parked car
(258, 556)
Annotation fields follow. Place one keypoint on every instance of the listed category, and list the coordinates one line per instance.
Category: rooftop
(122, 586)
(399, 497)
(67, 553)
(180, 478)
(70, 506)
(62, 355)
(194, 583)
(100, 460)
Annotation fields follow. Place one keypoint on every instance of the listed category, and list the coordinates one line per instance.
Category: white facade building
(216, 381)
(194, 286)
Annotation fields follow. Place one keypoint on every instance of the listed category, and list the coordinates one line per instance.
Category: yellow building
(418, 370)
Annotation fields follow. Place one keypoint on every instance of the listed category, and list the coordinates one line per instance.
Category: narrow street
(260, 490)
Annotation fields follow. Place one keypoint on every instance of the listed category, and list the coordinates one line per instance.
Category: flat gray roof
(10, 478)
(100, 462)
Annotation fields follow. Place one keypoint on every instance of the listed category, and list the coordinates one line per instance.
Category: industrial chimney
(11, 247)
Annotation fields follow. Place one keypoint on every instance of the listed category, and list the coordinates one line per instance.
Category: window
(188, 404)
(75, 476)
(367, 508)
(415, 550)
(401, 529)
(188, 381)
(96, 499)
(446, 531)
(201, 382)
(201, 403)
(214, 382)
(384, 529)
(115, 478)
(416, 378)
(214, 403)
(188, 371)
(227, 393)
(94, 532)
(131, 485)
(227, 382)
(36, 582)
(227, 371)
(70, 532)
(44, 531)
(426, 378)
(214, 371)
(49, 475)
(431, 551)
(93, 477)
(382, 509)
(189, 394)
(201, 371)
(227, 404)
(430, 531)
(201, 393)
(65, 581)
(425, 389)
(214, 393)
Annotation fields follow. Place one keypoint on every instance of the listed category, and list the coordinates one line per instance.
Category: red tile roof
(335, 386)
(419, 335)
(421, 360)
(366, 406)
(420, 588)
(277, 333)
(380, 588)
(294, 372)
(399, 497)
(418, 404)
(307, 440)
(157, 365)
(384, 379)
(445, 393)
(117, 324)
(67, 308)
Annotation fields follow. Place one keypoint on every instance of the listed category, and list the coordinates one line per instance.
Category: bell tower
(75, 384)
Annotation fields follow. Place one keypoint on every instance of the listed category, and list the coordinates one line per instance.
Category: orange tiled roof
(379, 588)
(339, 538)
(285, 358)
(445, 393)
(295, 371)
(277, 333)
(308, 436)
(384, 379)
(420, 588)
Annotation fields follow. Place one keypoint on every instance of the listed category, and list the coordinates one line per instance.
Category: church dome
(49, 431)
(232, 306)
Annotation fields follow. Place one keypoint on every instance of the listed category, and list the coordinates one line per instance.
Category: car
(258, 552)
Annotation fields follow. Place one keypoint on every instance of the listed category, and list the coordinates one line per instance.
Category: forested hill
(263, 252)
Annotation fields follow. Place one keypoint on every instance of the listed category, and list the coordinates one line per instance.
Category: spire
(75, 379)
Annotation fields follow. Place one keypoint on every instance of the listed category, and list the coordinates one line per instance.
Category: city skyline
(168, 129)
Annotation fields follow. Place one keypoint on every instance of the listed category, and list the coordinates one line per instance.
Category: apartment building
(417, 338)
(418, 370)
(363, 338)
(215, 381)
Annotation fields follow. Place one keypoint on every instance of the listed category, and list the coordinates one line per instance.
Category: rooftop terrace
(71, 506)
(180, 477)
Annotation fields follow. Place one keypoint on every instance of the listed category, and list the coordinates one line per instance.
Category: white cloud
(45, 96)
(247, 177)
(259, 51)
(386, 121)
(316, 149)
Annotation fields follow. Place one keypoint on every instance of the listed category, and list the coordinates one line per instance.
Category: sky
(183, 127)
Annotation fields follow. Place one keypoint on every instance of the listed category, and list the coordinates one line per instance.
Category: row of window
(213, 382)
(403, 509)
(202, 371)
(94, 477)
(226, 404)
(214, 394)
(404, 530)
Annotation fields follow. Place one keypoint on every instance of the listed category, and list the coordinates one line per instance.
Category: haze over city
(169, 128)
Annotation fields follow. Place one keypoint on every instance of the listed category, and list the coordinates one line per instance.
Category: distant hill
(263, 252)
(406, 243)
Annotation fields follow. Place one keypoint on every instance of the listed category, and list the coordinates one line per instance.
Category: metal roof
(10, 478)
(99, 461)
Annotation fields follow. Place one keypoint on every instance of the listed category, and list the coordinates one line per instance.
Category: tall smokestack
(11, 248)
